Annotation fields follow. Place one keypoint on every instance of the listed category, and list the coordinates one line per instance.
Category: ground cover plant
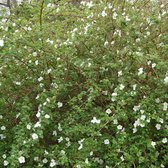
(84, 84)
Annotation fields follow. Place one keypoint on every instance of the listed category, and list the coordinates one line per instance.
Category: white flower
(122, 158)
(108, 111)
(58, 58)
(138, 40)
(149, 62)
(34, 136)
(50, 41)
(48, 100)
(52, 163)
(153, 143)
(67, 139)
(161, 120)
(162, 166)
(162, 5)
(114, 94)
(60, 139)
(18, 83)
(140, 71)
(109, 6)
(165, 106)
(59, 127)
(119, 127)
(80, 147)
(166, 80)
(164, 140)
(105, 92)
(119, 73)
(136, 108)
(38, 115)
(41, 84)
(28, 126)
(34, 54)
(17, 116)
(157, 100)
(50, 5)
(62, 152)
(36, 62)
(89, 64)
(36, 158)
(59, 104)
(45, 152)
(38, 124)
(57, 10)
(127, 19)
(29, 28)
(112, 43)
(137, 123)
(89, 4)
(139, 54)
(158, 126)
(143, 117)
(142, 125)
(40, 79)
(13, 24)
(54, 133)
(6, 162)
(47, 116)
(114, 15)
(142, 111)
(153, 65)
(3, 128)
(148, 120)
(44, 103)
(44, 160)
(21, 159)
(134, 130)
(49, 70)
(148, 33)
(2, 136)
(106, 142)
(68, 144)
(91, 153)
(4, 156)
(104, 13)
(95, 121)
(106, 43)
(115, 121)
(1, 43)
(121, 87)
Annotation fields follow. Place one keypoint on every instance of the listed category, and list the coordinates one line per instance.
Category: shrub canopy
(84, 85)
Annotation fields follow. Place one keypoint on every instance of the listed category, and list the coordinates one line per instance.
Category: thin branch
(134, 164)
(9, 3)
(41, 14)
(6, 5)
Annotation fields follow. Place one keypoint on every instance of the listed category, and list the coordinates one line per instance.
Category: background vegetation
(84, 84)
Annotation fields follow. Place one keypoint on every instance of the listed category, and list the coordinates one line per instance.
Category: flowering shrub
(84, 85)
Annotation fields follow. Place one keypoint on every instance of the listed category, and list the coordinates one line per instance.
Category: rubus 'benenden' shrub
(84, 85)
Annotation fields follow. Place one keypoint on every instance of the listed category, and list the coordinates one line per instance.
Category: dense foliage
(84, 85)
